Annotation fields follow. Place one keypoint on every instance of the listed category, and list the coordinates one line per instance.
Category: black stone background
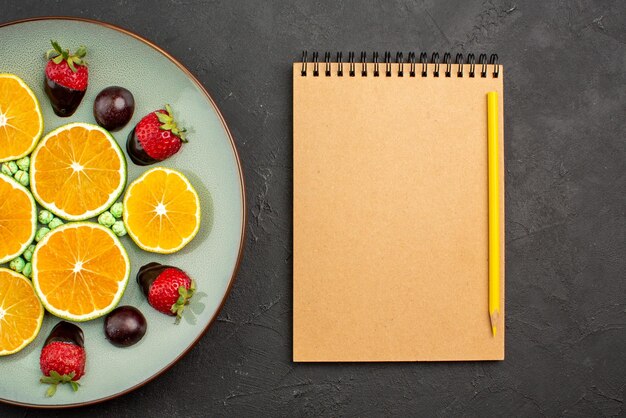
(565, 108)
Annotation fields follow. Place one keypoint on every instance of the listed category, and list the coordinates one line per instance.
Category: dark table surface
(565, 108)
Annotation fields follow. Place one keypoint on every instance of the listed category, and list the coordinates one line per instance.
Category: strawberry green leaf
(74, 385)
(81, 51)
(56, 46)
(51, 53)
(57, 54)
(169, 124)
(70, 63)
(55, 374)
(51, 390)
(163, 118)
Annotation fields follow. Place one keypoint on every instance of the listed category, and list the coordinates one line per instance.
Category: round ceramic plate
(209, 160)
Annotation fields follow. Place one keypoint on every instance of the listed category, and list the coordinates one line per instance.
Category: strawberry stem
(183, 300)
(58, 54)
(169, 123)
(54, 379)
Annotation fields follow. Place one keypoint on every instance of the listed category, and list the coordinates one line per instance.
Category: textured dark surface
(565, 134)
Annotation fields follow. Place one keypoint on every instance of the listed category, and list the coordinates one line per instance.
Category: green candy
(55, 223)
(119, 229)
(23, 163)
(22, 178)
(17, 264)
(106, 219)
(28, 253)
(117, 210)
(41, 232)
(9, 168)
(45, 217)
(4, 168)
(28, 270)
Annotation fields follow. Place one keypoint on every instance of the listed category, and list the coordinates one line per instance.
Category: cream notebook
(390, 205)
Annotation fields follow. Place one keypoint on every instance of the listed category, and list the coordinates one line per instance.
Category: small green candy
(119, 229)
(4, 168)
(9, 168)
(23, 163)
(41, 232)
(117, 210)
(106, 219)
(28, 253)
(45, 217)
(28, 270)
(22, 178)
(17, 264)
(55, 223)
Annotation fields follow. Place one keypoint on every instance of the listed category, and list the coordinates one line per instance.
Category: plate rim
(244, 214)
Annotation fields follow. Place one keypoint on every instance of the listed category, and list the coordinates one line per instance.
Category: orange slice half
(162, 211)
(18, 218)
(77, 171)
(21, 313)
(80, 271)
(21, 122)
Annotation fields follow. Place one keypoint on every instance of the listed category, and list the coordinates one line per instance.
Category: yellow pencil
(494, 210)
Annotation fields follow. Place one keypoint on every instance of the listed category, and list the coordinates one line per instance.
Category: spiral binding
(445, 63)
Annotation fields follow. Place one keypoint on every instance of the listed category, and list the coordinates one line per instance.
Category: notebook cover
(390, 217)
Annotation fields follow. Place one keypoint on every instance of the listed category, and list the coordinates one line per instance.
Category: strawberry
(155, 138)
(63, 357)
(167, 288)
(67, 77)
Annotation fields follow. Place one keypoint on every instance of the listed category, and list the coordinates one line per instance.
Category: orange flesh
(77, 170)
(165, 193)
(16, 219)
(79, 270)
(20, 312)
(19, 119)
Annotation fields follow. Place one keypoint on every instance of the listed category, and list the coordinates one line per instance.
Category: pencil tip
(494, 321)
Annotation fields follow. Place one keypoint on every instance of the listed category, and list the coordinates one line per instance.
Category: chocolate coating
(64, 100)
(136, 152)
(67, 333)
(148, 274)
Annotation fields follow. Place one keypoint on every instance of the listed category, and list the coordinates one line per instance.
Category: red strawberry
(63, 357)
(155, 138)
(67, 78)
(168, 288)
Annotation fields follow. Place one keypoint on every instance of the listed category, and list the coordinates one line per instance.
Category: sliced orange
(21, 122)
(161, 211)
(77, 171)
(21, 313)
(80, 271)
(18, 218)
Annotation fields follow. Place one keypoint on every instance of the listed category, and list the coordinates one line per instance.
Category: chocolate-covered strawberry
(167, 288)
(67, 78)
(63, 357)
(155, 138)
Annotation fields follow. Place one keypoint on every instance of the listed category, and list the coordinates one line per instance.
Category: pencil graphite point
(494, 320)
